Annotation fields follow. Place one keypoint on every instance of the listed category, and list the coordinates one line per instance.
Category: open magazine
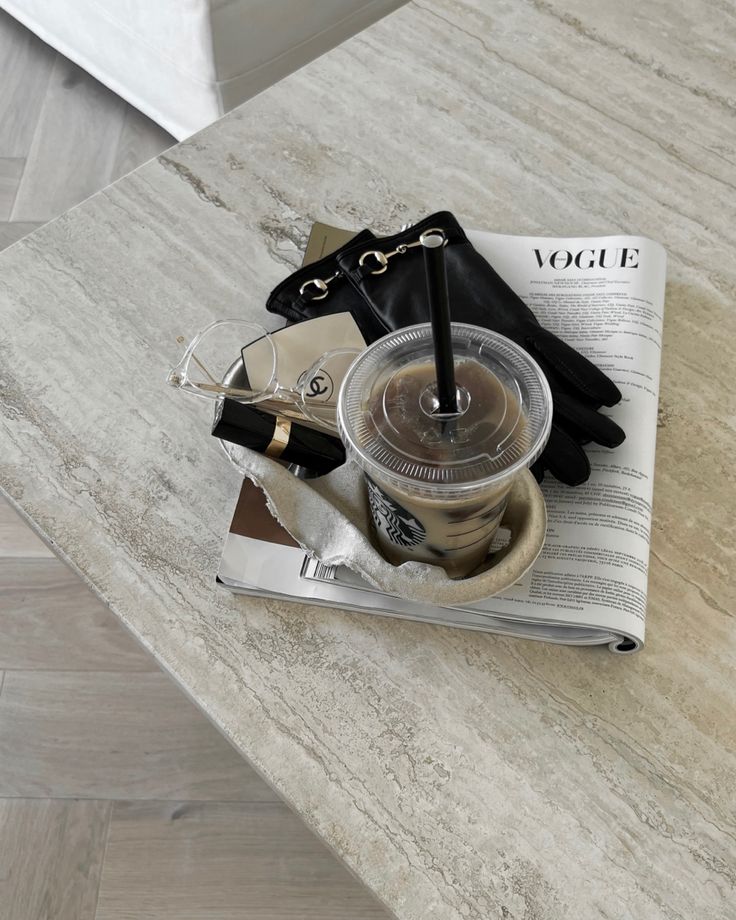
(605, 297)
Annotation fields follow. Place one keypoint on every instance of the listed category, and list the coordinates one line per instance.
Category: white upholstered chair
(186, 62)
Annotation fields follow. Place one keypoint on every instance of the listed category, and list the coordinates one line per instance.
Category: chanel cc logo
(317, 386)
(320, 386)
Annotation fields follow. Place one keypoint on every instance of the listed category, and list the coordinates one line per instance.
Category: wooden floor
(63, 135)
(118, 799)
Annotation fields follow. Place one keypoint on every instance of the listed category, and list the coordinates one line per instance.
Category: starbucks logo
(401, 527)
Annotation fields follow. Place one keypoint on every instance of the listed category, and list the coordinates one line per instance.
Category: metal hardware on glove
(321, 284)
(435, 231)
(383, 257)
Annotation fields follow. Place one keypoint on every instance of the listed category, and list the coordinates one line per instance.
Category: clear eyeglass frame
(211, 368)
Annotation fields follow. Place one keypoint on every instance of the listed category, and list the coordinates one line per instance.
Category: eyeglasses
(242, 361)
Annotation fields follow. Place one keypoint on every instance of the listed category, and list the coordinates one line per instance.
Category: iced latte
(438, 484)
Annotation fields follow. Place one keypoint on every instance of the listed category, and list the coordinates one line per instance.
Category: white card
(298, 348)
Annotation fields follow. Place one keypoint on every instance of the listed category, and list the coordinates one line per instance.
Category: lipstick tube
(278, 437)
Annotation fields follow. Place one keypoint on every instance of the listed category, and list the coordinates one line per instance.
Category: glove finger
(577, 434)
(537, 469)
(585, 423)
(574, 368)
(565, 458)
(559, 384)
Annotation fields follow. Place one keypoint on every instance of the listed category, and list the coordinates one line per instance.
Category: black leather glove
(388, 275)
(321, 288)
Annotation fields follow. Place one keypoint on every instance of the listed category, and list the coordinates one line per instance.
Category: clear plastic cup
(438, 484)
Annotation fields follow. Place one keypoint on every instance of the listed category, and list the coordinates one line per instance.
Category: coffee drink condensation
(438, 484)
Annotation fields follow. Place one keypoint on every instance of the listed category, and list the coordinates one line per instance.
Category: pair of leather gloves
(381, 282)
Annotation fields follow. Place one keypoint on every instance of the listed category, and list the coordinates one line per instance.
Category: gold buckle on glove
(320, 284)
(383, 257)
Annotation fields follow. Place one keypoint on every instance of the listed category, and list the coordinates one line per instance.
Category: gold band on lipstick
(280, 439)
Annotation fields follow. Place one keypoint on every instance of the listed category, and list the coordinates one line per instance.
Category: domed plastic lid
(388, 418)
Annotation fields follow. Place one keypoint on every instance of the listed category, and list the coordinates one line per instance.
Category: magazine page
(288, 574)
(605, 297)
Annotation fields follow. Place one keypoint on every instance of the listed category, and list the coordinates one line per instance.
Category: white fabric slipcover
(186, 62)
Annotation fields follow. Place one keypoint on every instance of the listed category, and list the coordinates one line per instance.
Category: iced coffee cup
(438, 483)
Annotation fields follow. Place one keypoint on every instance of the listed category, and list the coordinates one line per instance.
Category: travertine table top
(460, 775)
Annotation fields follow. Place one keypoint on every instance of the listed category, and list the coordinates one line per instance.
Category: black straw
(439, 311)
